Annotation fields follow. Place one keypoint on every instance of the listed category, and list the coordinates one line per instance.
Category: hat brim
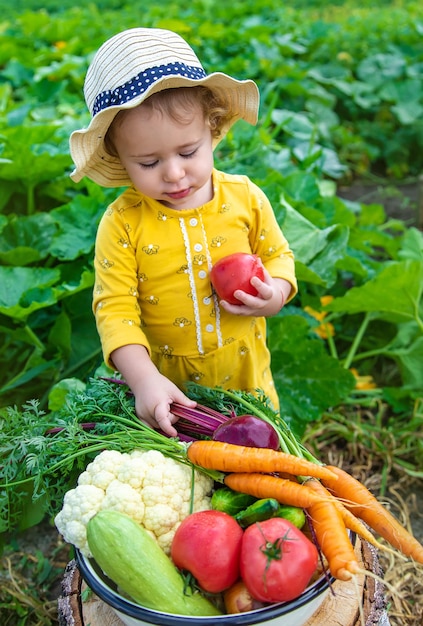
(87, 145)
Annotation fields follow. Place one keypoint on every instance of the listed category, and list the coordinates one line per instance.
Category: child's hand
(154, 393)
(153, 398)
(272, 295)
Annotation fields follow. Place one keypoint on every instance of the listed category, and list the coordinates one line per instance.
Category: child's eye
(148, 165)
(188, 155)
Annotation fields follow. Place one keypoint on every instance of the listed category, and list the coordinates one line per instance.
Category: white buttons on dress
(209, 328)
(202, 274)
(206, 300)
(198, 247)
(193, 221)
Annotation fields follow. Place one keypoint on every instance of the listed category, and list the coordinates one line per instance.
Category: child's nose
(174, 171)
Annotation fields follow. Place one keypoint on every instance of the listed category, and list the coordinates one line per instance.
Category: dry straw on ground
(404, 578)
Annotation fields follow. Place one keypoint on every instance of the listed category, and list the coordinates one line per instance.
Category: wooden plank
(97, 613)
(341, 605)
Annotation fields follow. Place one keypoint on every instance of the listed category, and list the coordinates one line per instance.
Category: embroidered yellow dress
(152, 284)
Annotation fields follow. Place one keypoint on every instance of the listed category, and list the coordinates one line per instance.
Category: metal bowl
(294, 613)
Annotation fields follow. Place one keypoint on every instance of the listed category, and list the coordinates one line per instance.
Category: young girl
(156, 119)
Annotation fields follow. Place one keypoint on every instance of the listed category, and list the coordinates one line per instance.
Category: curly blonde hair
(178, 104)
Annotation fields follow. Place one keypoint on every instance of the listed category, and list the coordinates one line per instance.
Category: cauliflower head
(153, 489)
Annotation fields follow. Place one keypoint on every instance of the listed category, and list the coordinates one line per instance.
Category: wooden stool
(339, 607)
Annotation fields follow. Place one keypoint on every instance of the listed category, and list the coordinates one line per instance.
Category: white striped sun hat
(127, 69)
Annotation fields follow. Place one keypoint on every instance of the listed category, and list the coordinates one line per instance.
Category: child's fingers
(164, 418)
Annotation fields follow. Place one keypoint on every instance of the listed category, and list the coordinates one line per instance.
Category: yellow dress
(152, 285)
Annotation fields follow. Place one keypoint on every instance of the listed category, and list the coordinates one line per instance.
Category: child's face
(167, 160)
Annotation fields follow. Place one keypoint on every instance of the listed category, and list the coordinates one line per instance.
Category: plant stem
(71, 457)
(30, 199)
(331, 344)
(80, 364)
(34, 340)
(370, 353)
(357, 340)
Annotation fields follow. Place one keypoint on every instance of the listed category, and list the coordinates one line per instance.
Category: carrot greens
(41, 455)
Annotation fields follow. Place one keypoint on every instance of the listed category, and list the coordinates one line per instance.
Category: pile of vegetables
(271, 561)
(153, 489)
(254, 511)
(215, 566)
(96, 467)
(42, 455)
(262, 540)
(128, 554)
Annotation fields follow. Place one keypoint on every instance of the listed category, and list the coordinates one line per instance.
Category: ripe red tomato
(208, 544)
(235, 272)
(277, 560)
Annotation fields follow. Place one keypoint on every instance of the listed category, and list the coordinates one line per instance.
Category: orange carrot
(266, 486)
(363, 503)
(227, 457)
(350, 520)
(332, 535)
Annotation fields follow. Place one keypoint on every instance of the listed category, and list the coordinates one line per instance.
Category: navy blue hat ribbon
(142, 81)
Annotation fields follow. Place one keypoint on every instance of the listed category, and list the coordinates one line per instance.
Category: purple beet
(247, 430)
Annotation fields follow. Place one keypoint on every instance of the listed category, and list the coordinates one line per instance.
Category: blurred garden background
(338, 149)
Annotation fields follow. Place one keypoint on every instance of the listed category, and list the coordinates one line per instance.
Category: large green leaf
(394, 294)
(411, 245)
(307, 379)
(410, 364)
(40, 157)
(26, 240)
(77, 224)
(378, 68)
(317, 250)
(25, 289)
(301, 186)
(407, 350)
(297, 125)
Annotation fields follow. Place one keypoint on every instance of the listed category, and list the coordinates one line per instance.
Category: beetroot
(247, 430)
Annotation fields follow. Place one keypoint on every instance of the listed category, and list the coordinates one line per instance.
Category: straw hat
(127, 69)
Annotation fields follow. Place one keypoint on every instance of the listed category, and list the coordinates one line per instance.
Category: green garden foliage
(342, 96)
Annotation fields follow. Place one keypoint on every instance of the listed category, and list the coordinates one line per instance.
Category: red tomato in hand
(208, 544)
(277, 560)
(235, 272)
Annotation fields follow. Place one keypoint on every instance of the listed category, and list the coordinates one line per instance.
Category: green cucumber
(293, 514)
(134, 561)
(257, 512)
(269, 507)
(230, 502)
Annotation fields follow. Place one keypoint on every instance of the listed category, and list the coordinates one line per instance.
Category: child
(156, 119)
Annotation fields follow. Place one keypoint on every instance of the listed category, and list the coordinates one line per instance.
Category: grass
(385, 452)
(31, 569)
(356, 449)
(393, 442)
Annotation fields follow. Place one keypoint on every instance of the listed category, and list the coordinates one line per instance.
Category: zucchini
(134, 561)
